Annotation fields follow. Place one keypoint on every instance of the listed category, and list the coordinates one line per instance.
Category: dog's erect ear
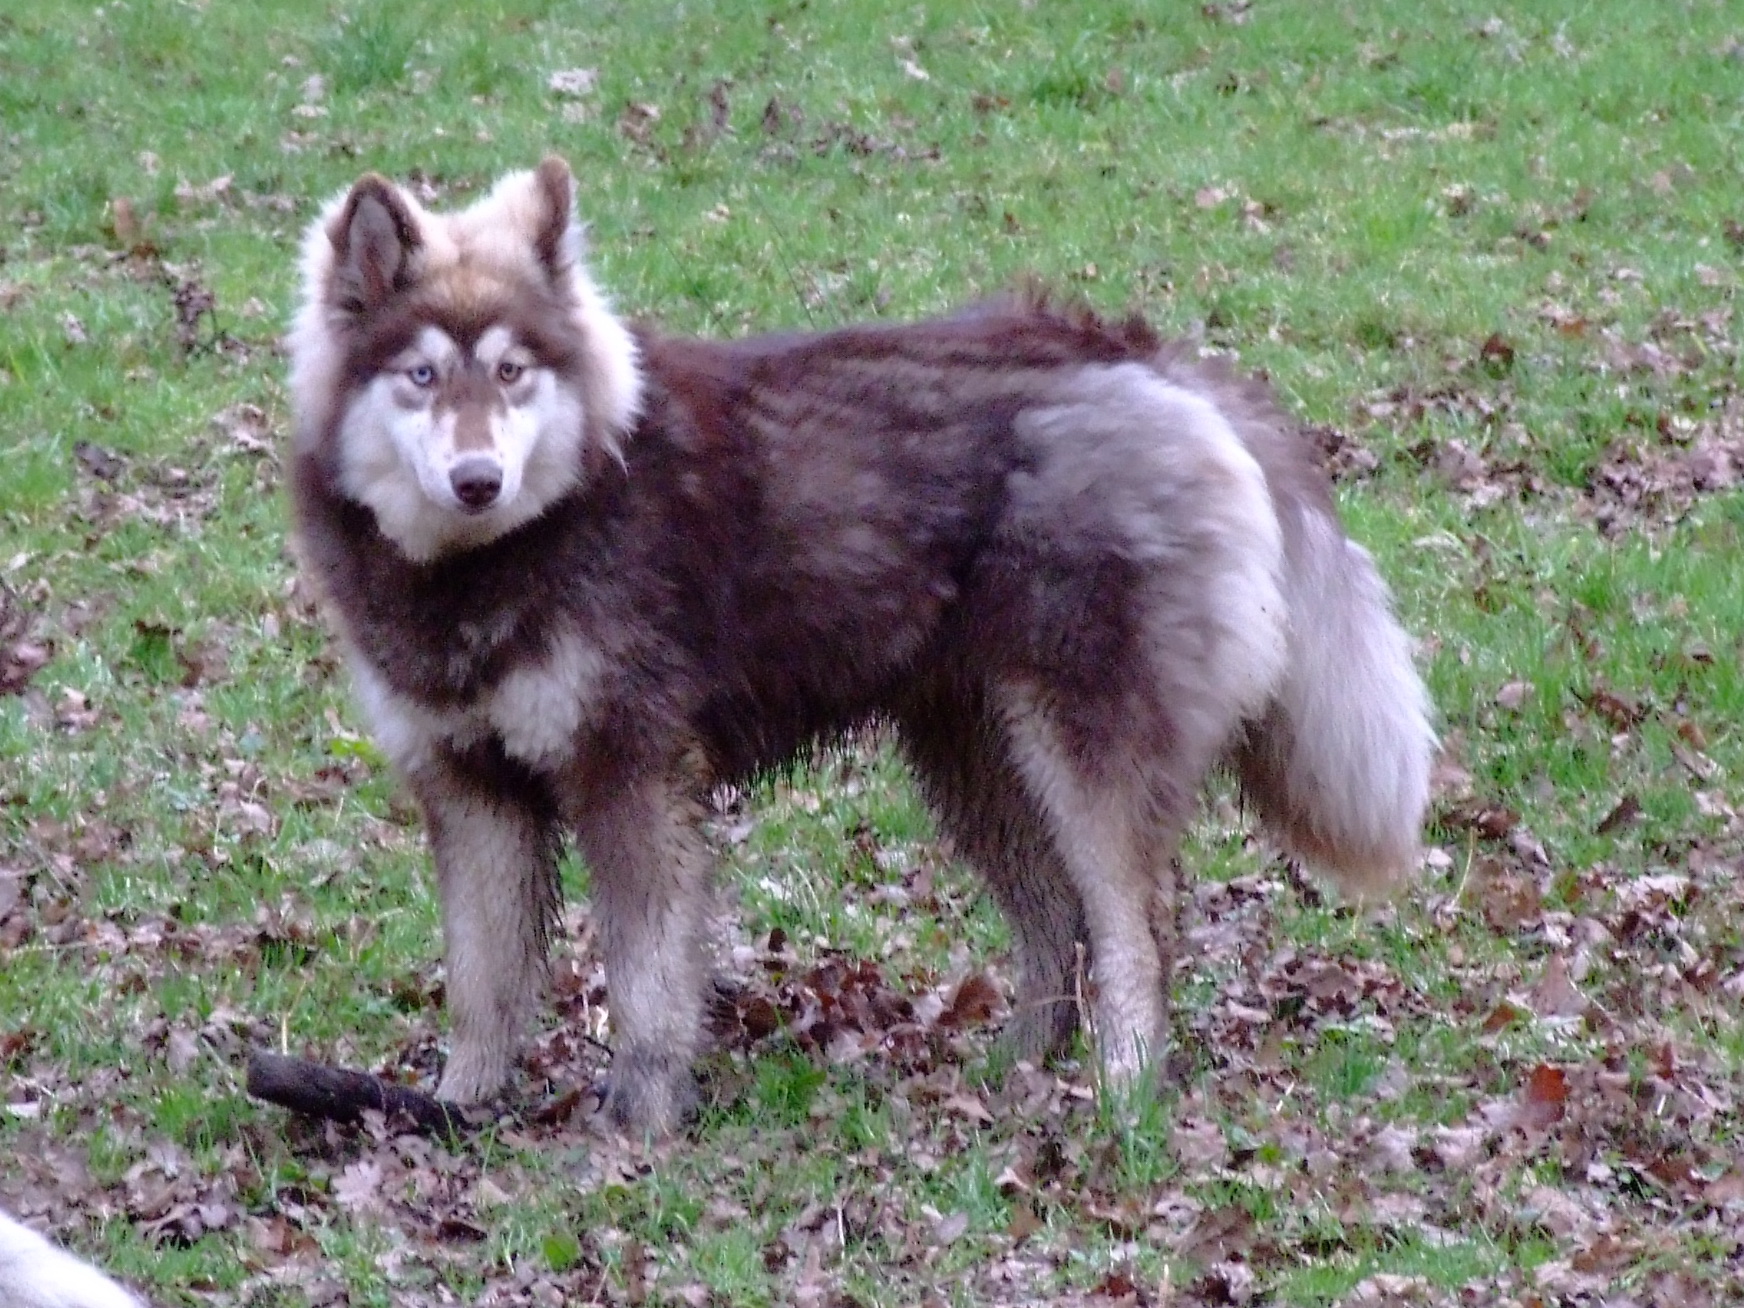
(557, 241)
(374, 237)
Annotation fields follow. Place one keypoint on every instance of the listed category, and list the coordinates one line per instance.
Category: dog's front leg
(650, 871)
(495, 840)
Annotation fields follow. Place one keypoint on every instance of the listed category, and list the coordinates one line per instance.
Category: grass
(1496, 255)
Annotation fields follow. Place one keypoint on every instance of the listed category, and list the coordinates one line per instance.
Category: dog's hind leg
(1022, 868)
(1114, 809)
(495, 841)
(961, 760)
(650, 871)
(1131, 618)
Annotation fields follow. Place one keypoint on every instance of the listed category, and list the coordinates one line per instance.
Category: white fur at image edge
(35, 1274)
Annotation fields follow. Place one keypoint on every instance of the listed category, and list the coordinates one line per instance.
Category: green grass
(1352, 198)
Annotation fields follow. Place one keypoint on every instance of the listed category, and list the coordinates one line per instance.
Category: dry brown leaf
(1555, 993)
(1543, 1099)
(1625, 813)
(1513, 694)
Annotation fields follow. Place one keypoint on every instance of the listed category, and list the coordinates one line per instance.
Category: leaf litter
(1586, 1119)
(1683, 442)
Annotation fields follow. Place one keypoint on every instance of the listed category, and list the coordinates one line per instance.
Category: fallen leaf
(100, 463)
(1620, 711)
(358, 1187)
(1218, 1234)
(968, 1106)
(124, 223)
(1199, 1143)
(1627, 810)
(1512, 695)
(1496, 353)
(218, 187)
(19, 663)
(1502, 1016)
(1555, 993)
(1727, 1189)
(950, 1228)
(973, 1003)
(636, 123)
(1543, 1099)
(1025, 1222)
(1508, 899)
(194, 304)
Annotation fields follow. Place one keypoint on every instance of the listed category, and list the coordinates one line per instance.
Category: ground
(1489, 257)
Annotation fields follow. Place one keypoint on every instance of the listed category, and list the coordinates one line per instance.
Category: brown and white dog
(583, 572)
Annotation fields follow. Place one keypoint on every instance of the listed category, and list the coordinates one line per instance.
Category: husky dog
(35, 1274)
(583, 572)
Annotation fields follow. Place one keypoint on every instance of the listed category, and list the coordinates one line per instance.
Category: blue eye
(422, 375)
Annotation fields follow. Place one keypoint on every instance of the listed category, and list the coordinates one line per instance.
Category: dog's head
(457, 372)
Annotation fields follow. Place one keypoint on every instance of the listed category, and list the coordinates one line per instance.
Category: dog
(37, 1274)
(582, 572)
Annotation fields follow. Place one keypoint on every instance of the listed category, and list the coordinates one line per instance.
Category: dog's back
(848, 508)
(872, 499)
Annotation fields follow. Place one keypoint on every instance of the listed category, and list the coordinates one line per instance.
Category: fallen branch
(336, 1095)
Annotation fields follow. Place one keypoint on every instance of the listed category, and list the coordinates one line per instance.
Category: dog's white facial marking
(538, 709)
(399, 457)
(453, 447)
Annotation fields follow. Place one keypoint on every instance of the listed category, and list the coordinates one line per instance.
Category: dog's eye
(421, 375)
(509, 372)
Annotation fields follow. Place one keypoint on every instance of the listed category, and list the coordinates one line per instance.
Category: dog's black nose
(476, 480)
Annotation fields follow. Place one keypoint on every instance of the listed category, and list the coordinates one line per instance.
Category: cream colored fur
(1351, 732)
(536, 710)
(1100, 835)
(1215, 662)
(37, 1274)
(493, 873)
(650, 875)
(1237, 546)
(407, 732)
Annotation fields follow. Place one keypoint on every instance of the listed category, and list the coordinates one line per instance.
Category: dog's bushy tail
(1338, 766)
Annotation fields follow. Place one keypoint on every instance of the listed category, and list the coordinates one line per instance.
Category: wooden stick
(336, 1095)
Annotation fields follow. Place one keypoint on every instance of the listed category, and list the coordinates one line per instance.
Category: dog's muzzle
(477, 481)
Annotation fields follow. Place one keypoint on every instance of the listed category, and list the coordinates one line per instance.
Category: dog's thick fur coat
(583, 573)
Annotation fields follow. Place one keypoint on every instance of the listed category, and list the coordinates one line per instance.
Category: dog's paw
(473, 1077)
(648, 1093)
(1039, 1031)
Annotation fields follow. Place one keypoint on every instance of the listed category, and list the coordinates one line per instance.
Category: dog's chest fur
(495, 644)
